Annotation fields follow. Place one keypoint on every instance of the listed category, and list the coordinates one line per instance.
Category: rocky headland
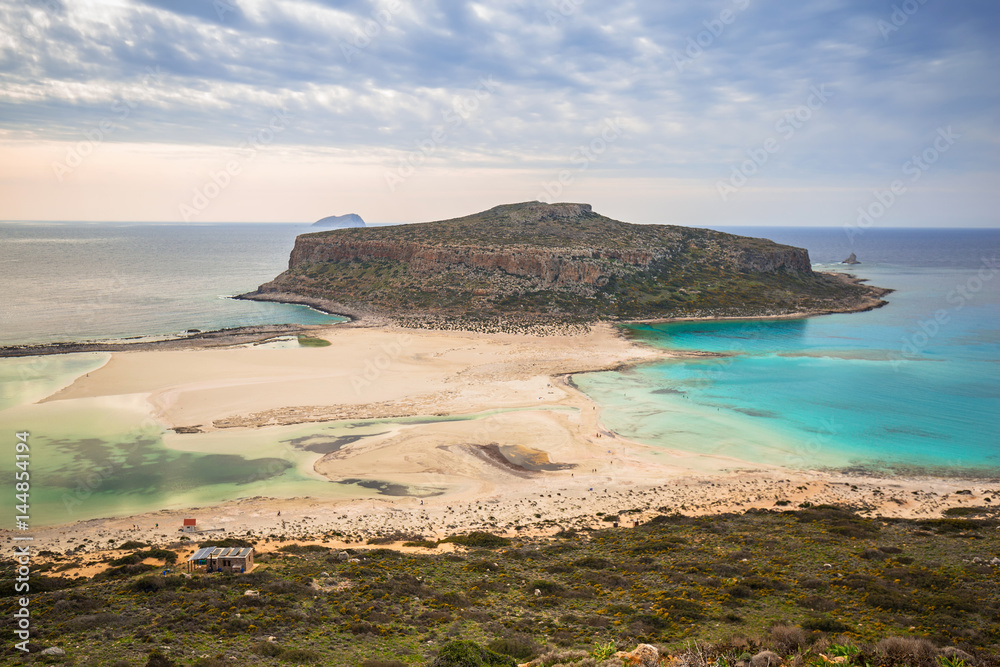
(554, 263)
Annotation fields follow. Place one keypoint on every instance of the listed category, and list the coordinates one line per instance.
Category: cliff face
(537, 260)
(578, 246)
(551, 267)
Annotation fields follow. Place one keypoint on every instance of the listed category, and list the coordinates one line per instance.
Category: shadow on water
(393, 489)
(323, 444)
(143, 466)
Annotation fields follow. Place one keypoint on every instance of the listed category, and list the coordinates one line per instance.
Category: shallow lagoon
(910, 387)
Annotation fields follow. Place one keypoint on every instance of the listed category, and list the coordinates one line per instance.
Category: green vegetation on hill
(534, 262)
(799, 583)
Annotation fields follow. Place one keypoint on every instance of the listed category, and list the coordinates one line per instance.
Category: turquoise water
(911, 387)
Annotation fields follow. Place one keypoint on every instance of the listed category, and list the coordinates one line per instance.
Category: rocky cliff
(553, 261)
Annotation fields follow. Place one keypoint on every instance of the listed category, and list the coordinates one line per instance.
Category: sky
(718, 112)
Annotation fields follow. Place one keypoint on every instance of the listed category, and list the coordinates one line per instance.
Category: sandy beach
(538, 462)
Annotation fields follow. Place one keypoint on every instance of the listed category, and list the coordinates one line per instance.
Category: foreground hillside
(716, 589)
(537, 262)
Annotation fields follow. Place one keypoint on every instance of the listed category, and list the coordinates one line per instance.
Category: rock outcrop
(554, 261)
(851, 260)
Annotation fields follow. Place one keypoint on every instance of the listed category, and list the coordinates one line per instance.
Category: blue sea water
(912, 387)
(86, 281)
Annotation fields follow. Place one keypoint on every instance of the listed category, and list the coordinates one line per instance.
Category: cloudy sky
(702, 113)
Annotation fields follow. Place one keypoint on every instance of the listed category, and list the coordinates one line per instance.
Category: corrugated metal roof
(220, 552)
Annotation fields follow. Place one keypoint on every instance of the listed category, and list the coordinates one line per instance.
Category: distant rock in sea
(851, 260)
(340, 221)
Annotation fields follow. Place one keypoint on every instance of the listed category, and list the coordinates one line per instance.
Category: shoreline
(447, 483)
(361, 318)
(451, 475)
(202, 339)
(551, 509)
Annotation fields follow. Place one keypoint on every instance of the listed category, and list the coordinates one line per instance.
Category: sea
(911, 388)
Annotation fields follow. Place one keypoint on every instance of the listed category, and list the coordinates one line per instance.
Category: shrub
(956, 525)
(157, 659)
(165, 555)
(469, 654)
(426, 544)
(683, 608)
(482, 566)
(817, 603)
(892, 601)
(226, 542)
(739, 591)
(906, 651)
(657, 546)
(131, 545)
(75, 603)
(517, 645)
(967, 511)
(300, 656)
(122, 571)
(396, 537)
(216, 661)
(148, 585)
(304, 548)
(788, 639)
(268, 649)
(479, 540)
(546, 587)
(129, 559)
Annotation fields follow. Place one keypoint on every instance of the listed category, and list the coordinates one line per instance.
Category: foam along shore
(497, 438)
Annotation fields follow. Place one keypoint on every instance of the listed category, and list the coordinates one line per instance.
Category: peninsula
(536, 264)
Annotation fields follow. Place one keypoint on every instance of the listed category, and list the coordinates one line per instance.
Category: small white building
(221, 559)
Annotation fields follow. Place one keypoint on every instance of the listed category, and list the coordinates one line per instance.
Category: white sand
(387, 372)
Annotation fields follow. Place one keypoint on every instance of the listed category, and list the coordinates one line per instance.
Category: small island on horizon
(349, 220)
